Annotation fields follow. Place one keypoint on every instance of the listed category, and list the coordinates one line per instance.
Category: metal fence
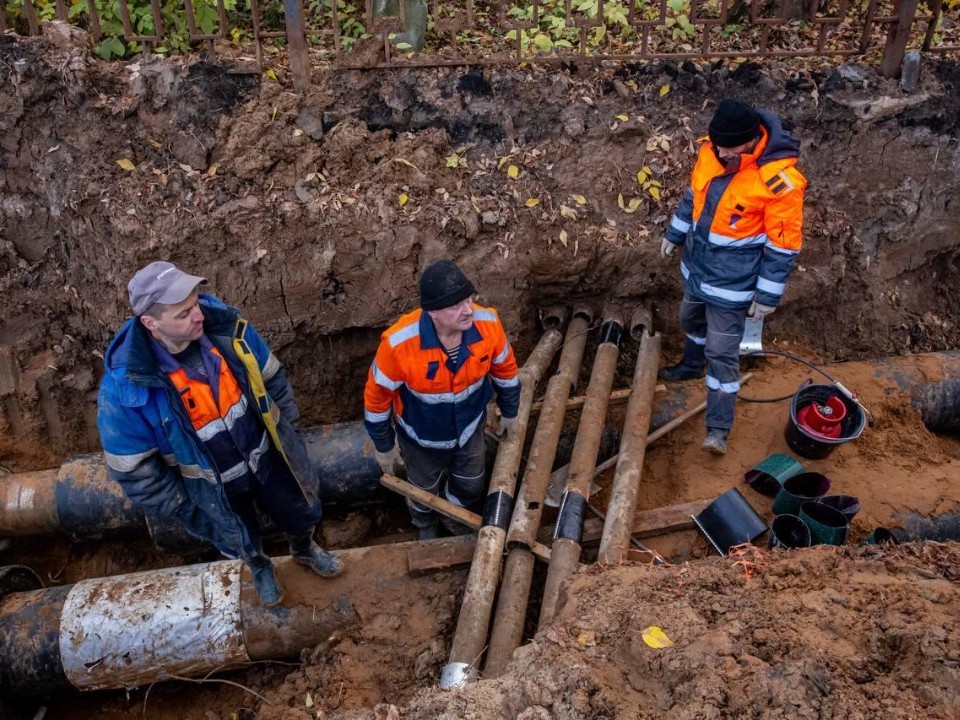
(457, 32)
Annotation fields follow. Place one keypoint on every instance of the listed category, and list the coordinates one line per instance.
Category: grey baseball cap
(160, 282)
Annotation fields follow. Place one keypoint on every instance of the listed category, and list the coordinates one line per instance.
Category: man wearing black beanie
(435, 371)
(740, 226)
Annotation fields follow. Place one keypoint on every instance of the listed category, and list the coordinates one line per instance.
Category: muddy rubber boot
(678, 372)
(265, 581)
(306, 552)
(693, 366)
(456, 529)
(430, 532)
(716, 441)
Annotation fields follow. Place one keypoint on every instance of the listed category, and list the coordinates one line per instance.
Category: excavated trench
(315, 215)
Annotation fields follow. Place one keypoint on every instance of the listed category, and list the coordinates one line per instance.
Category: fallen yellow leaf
(403, 199)
(156, 144)
(623, 117)
(532, 202)
(656, 638)
(664, 89)
(563, 237)
(212, 170)
(579, 199)
(587, 638)
(126, 164)
(271, 74)
(568, 212)
(513, 172)
(654, 192)
(641, 177)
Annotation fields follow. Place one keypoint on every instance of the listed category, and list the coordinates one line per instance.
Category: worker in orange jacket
(435, 371)
(740, 226)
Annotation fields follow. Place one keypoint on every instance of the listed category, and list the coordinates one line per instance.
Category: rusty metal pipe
(565, 551)
(133, 630)
(515, 588)
(82, 502)
(481, 585)
(626, 480)
(641, 323)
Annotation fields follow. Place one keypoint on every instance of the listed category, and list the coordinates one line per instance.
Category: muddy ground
(294, 209)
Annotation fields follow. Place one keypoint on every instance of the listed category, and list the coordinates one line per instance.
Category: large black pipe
(133, 630)
(82, 502)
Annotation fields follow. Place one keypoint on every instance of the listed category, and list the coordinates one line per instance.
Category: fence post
(297, 44)
(897, 37)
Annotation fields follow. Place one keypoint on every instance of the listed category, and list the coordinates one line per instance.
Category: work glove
(758, 311)
(666, 248)
(508, 427)
(391, 462)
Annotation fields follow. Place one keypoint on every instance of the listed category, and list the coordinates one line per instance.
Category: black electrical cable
(790, 356)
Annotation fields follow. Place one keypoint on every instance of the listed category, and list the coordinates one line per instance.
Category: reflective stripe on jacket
(437, 402)
(152, 448)
(741, 227)
(224, 419)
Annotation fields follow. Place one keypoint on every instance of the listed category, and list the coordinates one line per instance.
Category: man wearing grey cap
(199, 422)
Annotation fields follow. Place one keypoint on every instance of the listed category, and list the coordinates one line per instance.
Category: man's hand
(508, 427)
(391, 462)
(666, 248)
(758, 311)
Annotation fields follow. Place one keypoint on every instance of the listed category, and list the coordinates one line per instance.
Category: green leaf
(543, 42)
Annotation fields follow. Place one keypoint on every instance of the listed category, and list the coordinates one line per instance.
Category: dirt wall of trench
(315, 214)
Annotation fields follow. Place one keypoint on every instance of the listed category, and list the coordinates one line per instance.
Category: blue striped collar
(429, 338)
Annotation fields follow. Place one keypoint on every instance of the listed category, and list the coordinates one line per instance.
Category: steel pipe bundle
(481, 585)
(565, 551)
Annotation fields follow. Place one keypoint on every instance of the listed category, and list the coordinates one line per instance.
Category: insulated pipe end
(584, 313)
(552, 317)
(641, 322)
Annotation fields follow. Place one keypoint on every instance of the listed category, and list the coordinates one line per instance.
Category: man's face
(455, 318)
(177, 324)
(727, 154)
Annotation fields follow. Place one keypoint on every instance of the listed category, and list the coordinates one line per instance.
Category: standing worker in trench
(199, 422)
(740, 225)
(435, 371)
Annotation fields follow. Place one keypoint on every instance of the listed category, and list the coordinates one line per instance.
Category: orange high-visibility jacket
(741, 227)
(437, 403)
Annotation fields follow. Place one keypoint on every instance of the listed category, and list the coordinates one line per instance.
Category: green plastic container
(768, 476)
(828, 526)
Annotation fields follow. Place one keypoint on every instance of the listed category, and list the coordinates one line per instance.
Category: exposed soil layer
(316, 214)
(291, 206)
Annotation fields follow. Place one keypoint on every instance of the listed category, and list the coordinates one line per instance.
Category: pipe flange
(456, 675)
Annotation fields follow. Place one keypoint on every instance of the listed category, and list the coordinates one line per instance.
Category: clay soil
(291, 206)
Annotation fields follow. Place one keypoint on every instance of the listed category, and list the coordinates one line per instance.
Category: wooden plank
(441, 554)
(445, 507)
(648, 523)
(617, 396)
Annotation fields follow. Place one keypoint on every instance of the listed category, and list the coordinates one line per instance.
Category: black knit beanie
(442, 285)
(734, 124)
